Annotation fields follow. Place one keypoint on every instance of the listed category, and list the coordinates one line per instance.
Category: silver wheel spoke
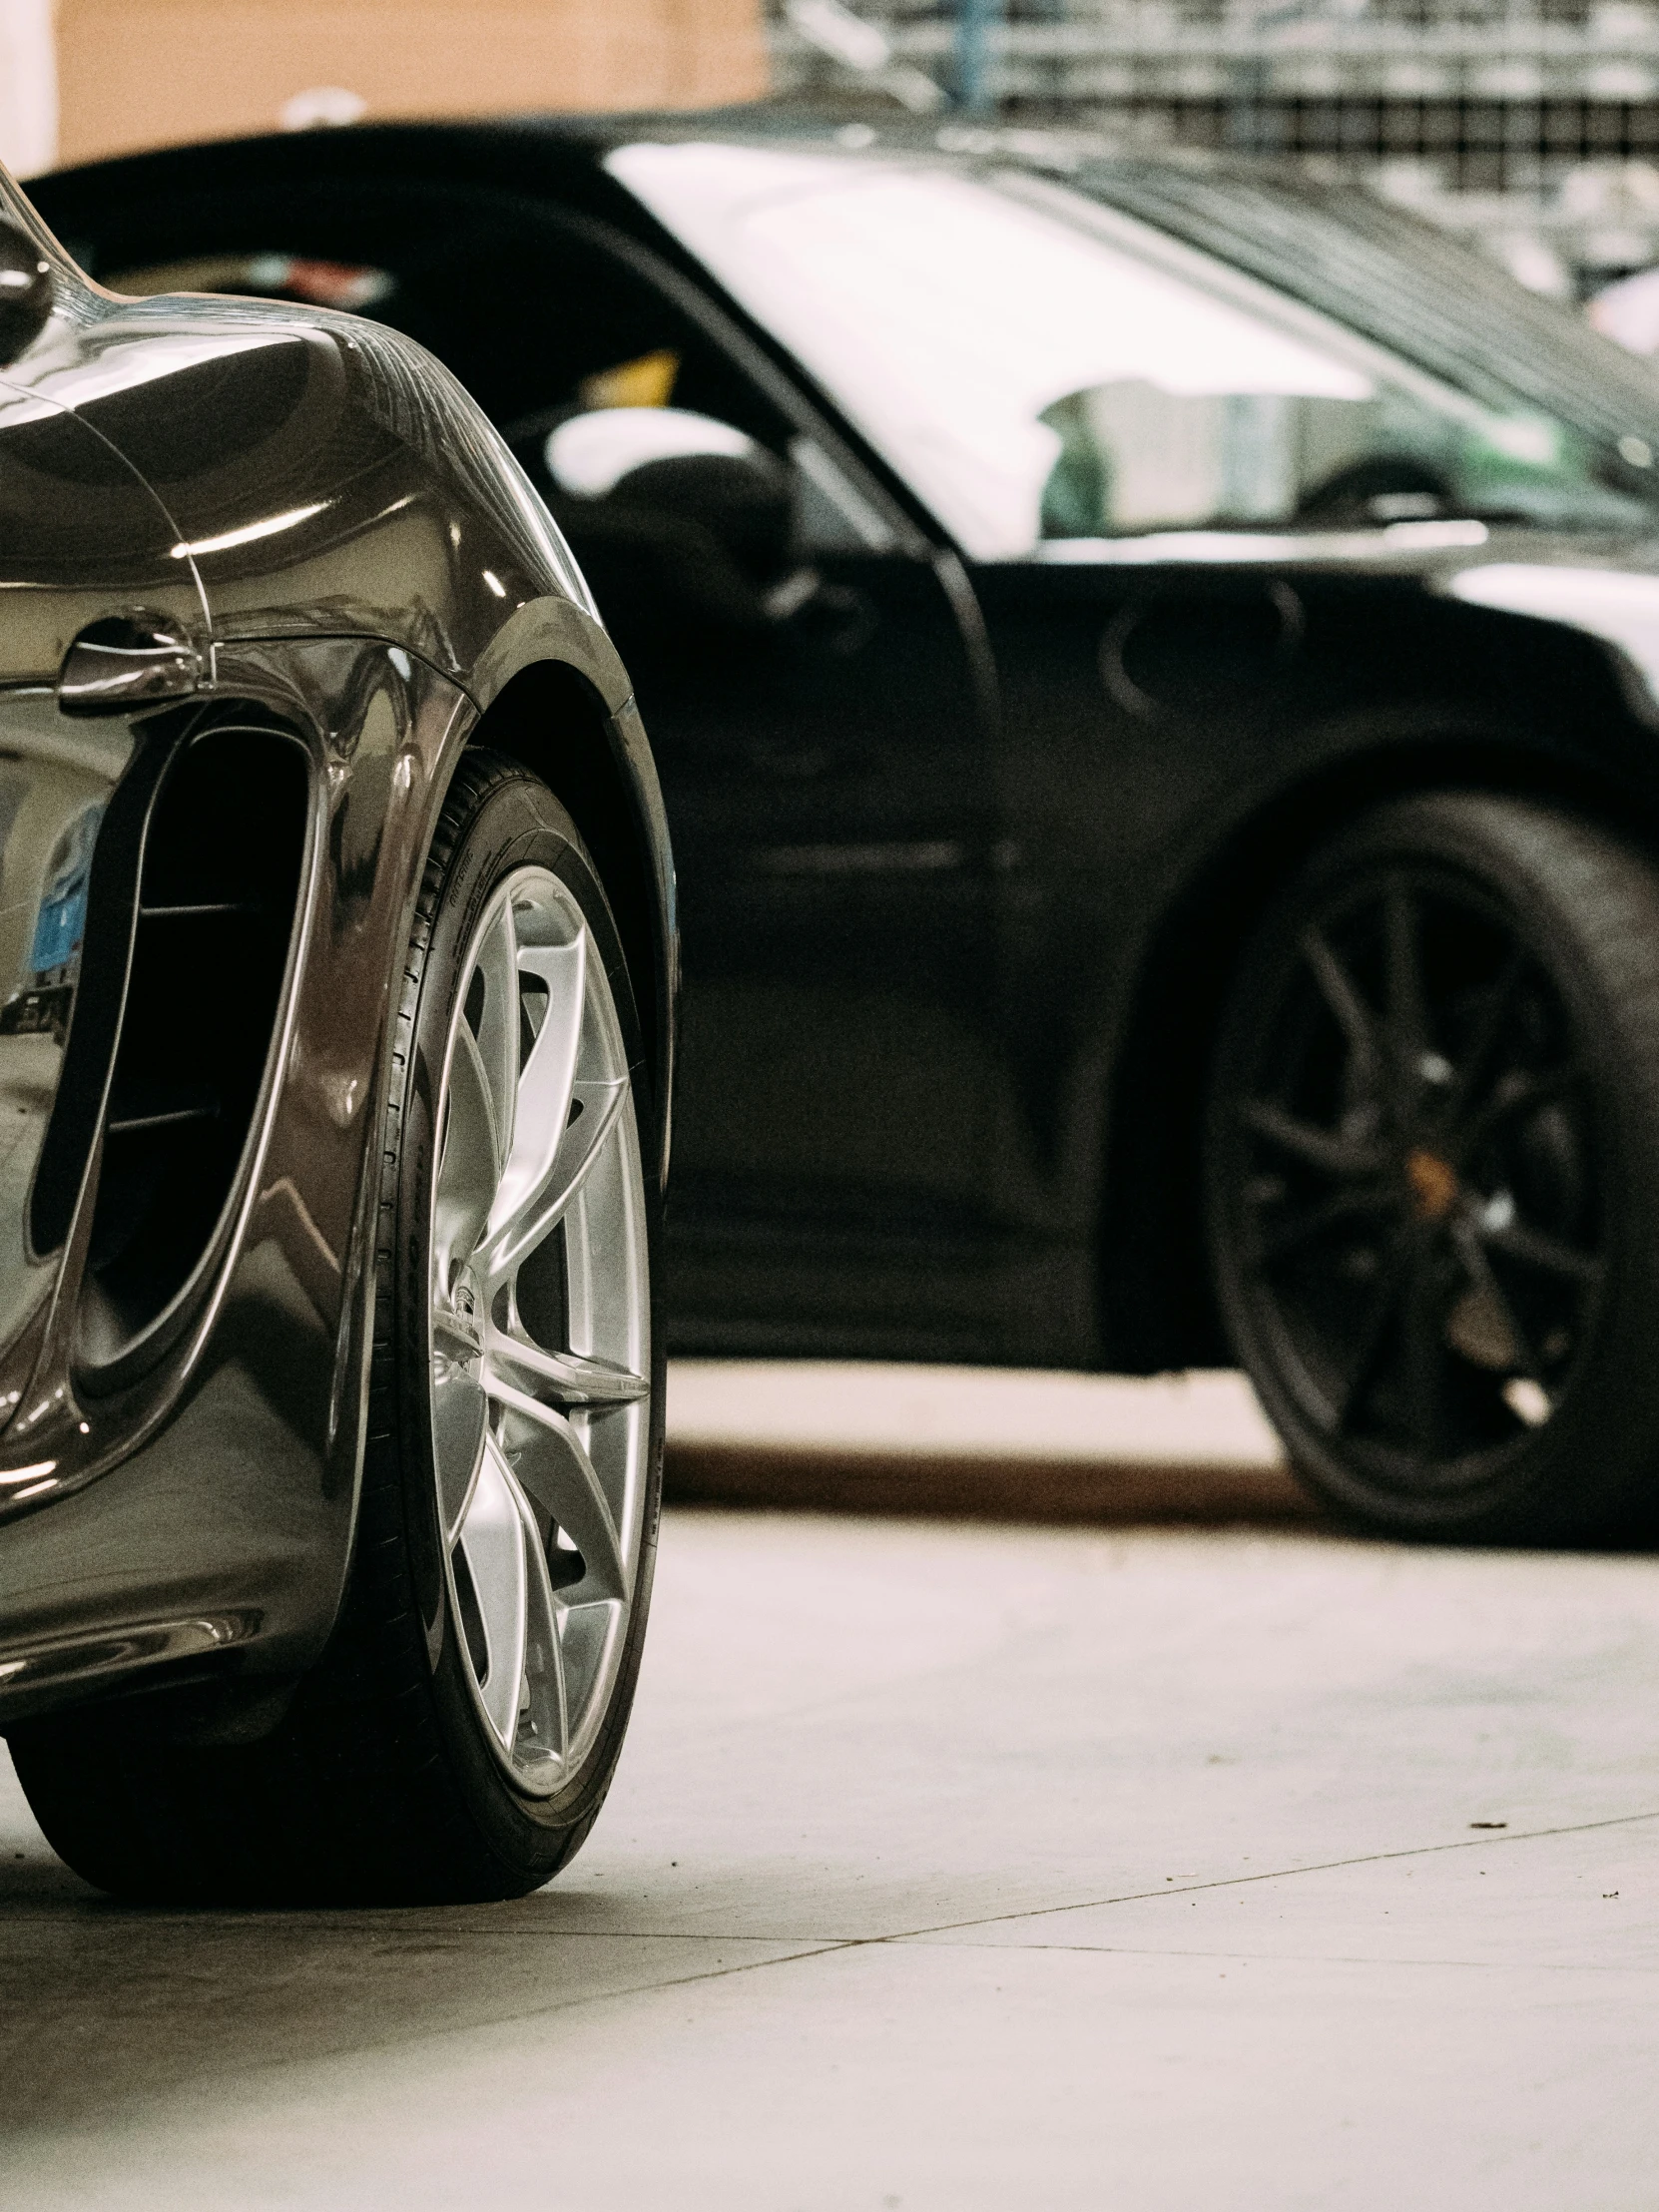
(498, 1027)
(460, 1412)
(468, 1172)
(545, 1088)
(552, 1466)
(548, 1714)
(540, 1339)
(570, 1376)
(494, 1540)
(509, 1245)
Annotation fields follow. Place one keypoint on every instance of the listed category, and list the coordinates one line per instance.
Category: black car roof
(1331, 244)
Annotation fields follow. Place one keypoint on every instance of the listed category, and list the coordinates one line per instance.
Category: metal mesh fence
(1530, 125)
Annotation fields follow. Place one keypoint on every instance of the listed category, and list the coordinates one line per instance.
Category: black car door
(823, 746)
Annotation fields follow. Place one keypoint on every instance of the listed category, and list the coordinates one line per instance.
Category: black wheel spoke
(1482, 1046)
(1422, 1332)
(1305, 1141)
(1346, 1208)
(1484, 1276)
(1345, 1001)
(1535, 1247)
(1407, 1010)
(1373, 1337)
(1516, 1101)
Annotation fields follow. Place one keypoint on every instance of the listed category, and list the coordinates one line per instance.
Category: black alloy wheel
(1433, 1169)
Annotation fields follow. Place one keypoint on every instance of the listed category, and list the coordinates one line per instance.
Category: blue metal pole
(975, 19)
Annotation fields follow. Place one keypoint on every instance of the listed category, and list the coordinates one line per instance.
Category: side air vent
(217, 900)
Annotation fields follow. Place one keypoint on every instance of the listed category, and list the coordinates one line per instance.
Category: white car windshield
(1038, 368)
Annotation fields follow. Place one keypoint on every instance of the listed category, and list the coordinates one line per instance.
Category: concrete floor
(956, 1867)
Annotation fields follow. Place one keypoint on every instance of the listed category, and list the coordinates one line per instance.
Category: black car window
(1035, 376)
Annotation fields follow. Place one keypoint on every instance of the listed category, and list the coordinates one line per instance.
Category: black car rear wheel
(460, 1733)
(1432, 1168)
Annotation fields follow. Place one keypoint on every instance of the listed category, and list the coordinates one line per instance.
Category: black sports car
(334, 1058)
(1155, 672)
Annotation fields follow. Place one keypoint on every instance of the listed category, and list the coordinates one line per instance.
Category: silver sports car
(336, 994)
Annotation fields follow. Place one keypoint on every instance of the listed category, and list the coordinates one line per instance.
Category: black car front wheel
(1432, 1170)
(460, 1733)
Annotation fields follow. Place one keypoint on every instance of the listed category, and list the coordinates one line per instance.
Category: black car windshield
(1040, 366)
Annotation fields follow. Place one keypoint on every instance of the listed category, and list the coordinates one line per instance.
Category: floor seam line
(1302, 1958)
(1280, 1874)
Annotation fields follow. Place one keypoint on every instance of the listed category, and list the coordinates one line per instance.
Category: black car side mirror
(712, 507)
(25, 291)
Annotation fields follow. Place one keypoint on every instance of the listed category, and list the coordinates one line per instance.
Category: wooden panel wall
(135, 73)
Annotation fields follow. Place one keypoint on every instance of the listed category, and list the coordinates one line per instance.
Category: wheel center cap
(1432, 1183)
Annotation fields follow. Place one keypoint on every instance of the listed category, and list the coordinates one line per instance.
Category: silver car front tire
(458, 1736)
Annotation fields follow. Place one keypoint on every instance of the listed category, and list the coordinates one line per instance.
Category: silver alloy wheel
(540, 1337)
